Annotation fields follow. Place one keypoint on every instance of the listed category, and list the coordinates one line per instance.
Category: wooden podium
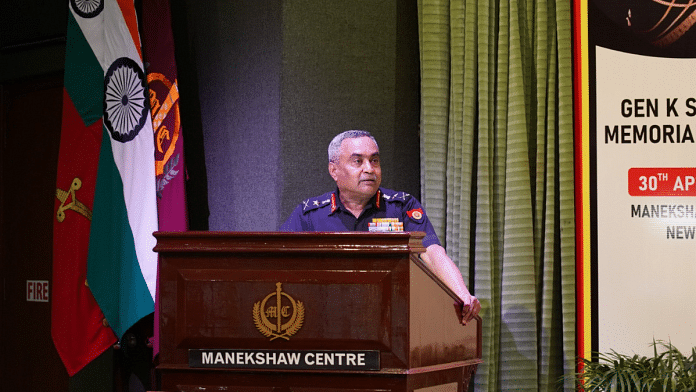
(307, 312)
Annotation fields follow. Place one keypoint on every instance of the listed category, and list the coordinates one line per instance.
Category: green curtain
(497, 168)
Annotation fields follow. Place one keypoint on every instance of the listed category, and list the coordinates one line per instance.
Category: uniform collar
(336, 204)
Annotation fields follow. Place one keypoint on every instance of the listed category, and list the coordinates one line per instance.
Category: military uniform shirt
(327, 213)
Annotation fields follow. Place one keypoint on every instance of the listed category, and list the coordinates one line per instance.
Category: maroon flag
(158, 43)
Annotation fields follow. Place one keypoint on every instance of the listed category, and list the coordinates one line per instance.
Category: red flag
(158, 43)
(78, 327)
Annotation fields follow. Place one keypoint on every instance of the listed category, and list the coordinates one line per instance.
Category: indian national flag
(121, 265)
(106, 86)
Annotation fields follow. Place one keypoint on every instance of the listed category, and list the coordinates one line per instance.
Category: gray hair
(335, 144)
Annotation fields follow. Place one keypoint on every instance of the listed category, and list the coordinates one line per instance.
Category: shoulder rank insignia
(396, 196)
(316, 202)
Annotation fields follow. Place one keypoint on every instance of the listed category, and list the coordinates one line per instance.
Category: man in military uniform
(358, 202)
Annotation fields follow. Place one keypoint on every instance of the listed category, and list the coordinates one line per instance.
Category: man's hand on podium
(467, 311)
(435, 257)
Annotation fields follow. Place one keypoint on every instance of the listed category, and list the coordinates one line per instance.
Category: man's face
(358, 172)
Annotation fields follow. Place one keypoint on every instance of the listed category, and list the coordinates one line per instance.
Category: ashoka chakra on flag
(125, 105)
(87, 8)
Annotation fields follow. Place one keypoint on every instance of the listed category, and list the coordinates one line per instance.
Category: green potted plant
(665, 371)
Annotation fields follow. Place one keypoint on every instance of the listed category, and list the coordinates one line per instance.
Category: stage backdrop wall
(277, 80)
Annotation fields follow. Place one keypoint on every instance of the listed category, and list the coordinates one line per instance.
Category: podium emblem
(270, 317)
